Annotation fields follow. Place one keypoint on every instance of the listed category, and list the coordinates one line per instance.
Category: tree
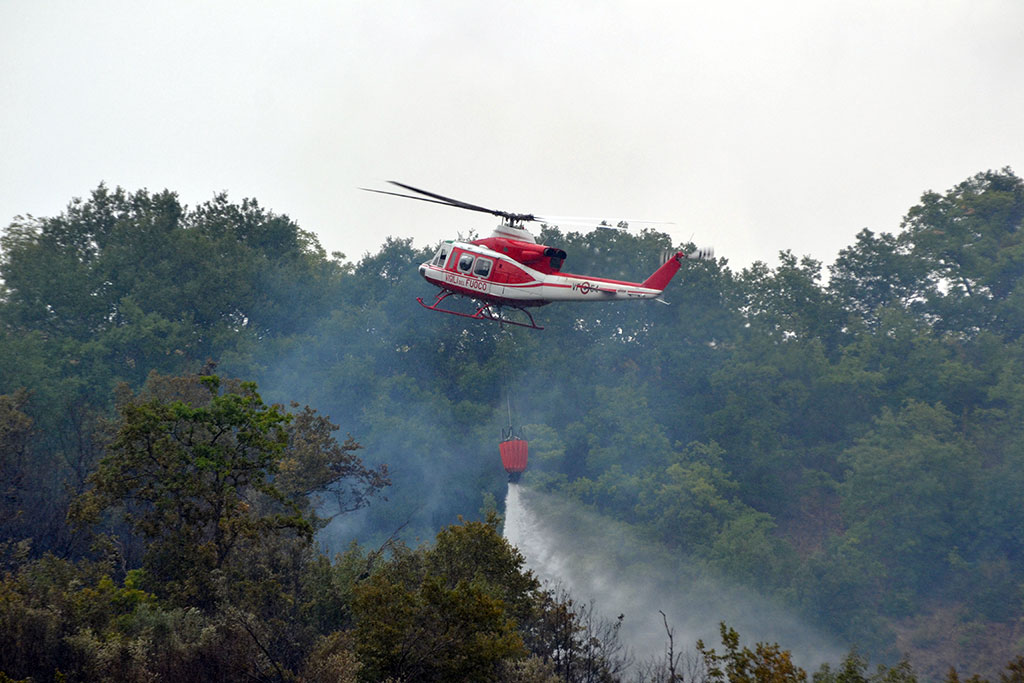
(158, 285)
(15, 437)
(765, 664)
(475, 552)
(788, 302)
(747, 551)
(853, 669)
(46, 451)
(315, 467)
(905, 491)
(446, 613)
(581, 645)
(971, 241)
(875, 272)
(193, 466)
(689, 501)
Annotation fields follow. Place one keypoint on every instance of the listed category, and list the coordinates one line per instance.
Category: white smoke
(601, 562)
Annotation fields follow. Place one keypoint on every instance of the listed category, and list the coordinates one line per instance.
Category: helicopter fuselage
(486, 270)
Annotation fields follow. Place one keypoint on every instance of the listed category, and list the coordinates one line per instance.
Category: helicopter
(509, 269)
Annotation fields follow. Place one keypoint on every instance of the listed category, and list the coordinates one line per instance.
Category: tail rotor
(698, 254)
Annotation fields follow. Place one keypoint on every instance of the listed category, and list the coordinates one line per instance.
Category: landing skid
(484, 312)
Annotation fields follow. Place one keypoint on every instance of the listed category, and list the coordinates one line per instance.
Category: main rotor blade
(447, 200)
(409, 196)
(435, 198)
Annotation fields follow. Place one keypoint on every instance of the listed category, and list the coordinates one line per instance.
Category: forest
(227, 454)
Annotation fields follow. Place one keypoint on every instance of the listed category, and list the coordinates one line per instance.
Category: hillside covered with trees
(848, 440)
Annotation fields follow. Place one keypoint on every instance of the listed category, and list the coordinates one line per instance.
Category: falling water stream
(603, 563)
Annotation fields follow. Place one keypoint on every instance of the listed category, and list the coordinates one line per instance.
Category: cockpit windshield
(441, 256)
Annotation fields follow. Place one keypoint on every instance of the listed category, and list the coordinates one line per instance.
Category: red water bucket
(513, 455)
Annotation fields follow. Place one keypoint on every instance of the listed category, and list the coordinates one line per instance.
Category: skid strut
(484, 312)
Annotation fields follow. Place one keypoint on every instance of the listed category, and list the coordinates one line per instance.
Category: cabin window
(466, 263)
(441, 257)
(483, 267)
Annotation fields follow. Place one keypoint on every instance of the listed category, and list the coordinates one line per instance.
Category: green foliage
(854, 446)
(971, 241)
(875, 273)
(619, 430)
(906, 487)
(227, 586)
(466, 609)
(121, 284)
(15, 440)
(206, 473)
(446, 613)
(194, 480)
(788, 302)
(110, 262)
(431, 632)
(690, 500)
(766, 663)
(854, 669)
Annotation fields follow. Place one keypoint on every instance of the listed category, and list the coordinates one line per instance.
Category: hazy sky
(754, 126)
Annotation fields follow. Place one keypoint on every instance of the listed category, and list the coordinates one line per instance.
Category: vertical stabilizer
(662, 276)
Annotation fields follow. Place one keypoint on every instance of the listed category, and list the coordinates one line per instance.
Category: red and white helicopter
(509, 269)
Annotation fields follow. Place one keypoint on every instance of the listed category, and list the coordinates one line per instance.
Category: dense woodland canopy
(848, 440)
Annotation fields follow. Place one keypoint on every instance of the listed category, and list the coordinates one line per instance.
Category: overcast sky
(753, 126)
